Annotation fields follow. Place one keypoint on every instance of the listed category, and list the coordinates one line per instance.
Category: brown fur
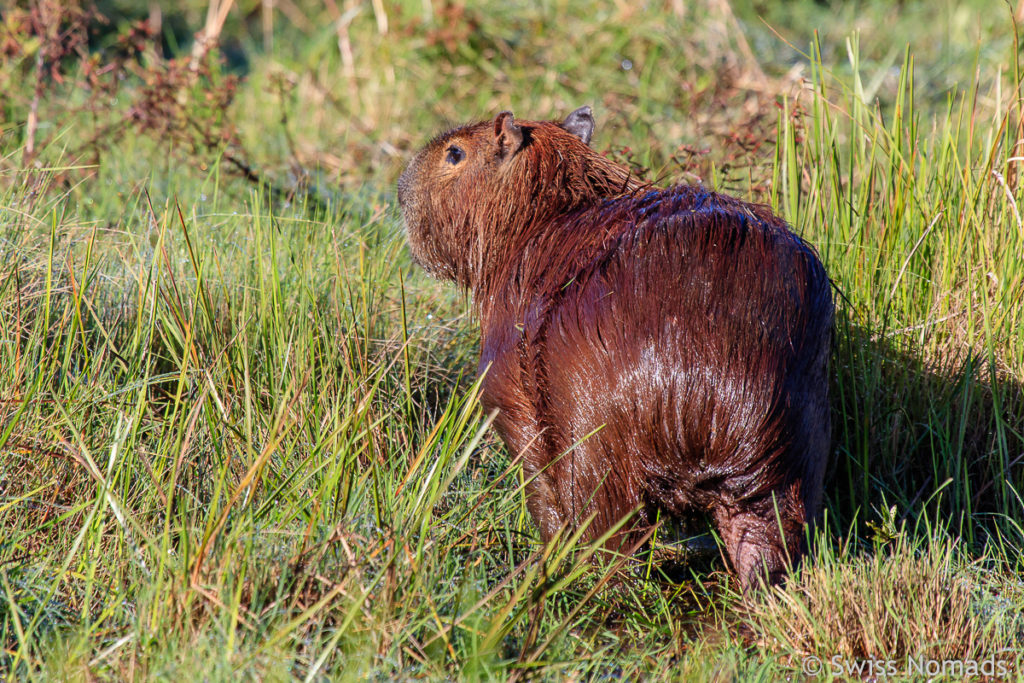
(688, 331)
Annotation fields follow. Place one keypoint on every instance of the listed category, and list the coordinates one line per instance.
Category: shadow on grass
(942, 441)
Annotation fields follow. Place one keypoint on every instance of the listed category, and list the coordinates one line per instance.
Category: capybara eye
(455, 155)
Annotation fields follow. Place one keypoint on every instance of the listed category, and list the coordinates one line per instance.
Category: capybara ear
(580, 123)
(507, 134)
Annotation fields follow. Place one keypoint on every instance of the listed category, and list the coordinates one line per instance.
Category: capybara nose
(404, 181)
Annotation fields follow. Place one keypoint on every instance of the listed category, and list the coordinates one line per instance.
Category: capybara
(647, 348)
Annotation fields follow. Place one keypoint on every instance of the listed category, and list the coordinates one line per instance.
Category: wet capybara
(647, 348)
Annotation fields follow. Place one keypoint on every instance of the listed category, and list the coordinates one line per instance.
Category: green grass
(239, 434)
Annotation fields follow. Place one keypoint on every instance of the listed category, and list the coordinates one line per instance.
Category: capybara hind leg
(543, 503)
(763, 539)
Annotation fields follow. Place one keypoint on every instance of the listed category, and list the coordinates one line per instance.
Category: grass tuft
(920, 597)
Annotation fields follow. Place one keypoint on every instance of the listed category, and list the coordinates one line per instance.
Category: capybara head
(648, 350)
(467, 193)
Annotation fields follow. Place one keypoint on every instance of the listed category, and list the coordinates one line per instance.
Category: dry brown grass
(914, 600)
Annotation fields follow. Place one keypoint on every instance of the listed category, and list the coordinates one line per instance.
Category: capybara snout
(656, 348)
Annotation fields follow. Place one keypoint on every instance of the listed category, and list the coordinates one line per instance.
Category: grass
(239, 435)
